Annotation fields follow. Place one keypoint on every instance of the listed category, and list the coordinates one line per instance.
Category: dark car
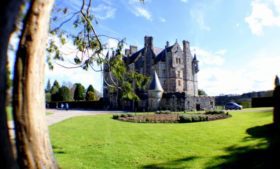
(233, 106)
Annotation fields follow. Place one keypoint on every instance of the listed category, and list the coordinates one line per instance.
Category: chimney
(133, 49)
(127, 52)
(167, 44)
(186, 45)
(148, 41)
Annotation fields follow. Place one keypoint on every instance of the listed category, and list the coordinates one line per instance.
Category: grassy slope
(100, 142)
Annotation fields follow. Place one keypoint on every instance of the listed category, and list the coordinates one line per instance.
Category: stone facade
(177, 72)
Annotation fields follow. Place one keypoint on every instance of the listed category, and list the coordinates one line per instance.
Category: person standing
(66, 106)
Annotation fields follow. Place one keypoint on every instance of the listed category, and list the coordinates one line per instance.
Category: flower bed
(171, 117)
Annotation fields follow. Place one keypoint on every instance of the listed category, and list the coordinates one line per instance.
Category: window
(179, 82)
(164, 73)
(179, 74)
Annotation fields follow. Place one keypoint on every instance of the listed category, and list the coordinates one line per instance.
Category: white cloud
(138, 9)
(208, 57)
(185, 1)
(199, 17)
(256, 74)
(161, 19)
(264, 14)
(104, 11)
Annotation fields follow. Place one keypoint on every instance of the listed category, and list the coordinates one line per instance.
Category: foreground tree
(9, 10)
(33, 149)
(276, 102)
(32, 137)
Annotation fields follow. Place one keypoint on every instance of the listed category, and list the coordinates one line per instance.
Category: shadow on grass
(58, 150)
(261, 156)
(176, 164)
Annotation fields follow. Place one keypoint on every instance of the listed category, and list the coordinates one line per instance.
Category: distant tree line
(76, 92)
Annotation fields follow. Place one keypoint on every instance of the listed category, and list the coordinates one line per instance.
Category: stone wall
(181, 101)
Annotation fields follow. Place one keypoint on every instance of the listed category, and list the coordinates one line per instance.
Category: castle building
(177, 71)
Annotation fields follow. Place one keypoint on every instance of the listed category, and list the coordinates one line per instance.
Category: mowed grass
(101, 142)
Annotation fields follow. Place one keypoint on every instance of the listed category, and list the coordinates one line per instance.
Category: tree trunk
(276, 110)
(8, 12)
(32, 137)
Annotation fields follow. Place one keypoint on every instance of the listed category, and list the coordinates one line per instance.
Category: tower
(190, 71)
(154, 93)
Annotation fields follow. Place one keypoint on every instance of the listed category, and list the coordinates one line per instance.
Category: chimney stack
(148, 41)
(167, 44)
(186, 45)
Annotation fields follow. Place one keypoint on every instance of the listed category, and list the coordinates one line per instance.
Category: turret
(154, 93)
(195, 64)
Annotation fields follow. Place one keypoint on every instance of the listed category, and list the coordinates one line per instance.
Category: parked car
(233, 106)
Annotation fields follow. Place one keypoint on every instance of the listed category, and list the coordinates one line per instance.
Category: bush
(116, 116)
(163, 112)
(123, 115)
(130, 115)
(185, 119)
(192, 118)
(215, 112)
(195, 118)
(246, 104)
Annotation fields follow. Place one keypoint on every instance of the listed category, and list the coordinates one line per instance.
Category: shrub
(123, 115)
(215, 112)
(185, 118)
(116, 116)
(195, 118)
(246, 104)
(130, 115)
(163, 112)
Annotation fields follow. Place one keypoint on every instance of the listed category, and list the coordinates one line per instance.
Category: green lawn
(100, 142)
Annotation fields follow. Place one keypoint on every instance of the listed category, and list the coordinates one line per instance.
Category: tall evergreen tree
(54, 91)
(64, 94)
(91, 94)
(48, 88)
(79, 93)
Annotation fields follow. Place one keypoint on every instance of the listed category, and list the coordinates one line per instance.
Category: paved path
(60, 115)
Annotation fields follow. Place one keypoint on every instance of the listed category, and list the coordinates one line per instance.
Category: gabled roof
(135, 56)
(157, 50)
(162, 55)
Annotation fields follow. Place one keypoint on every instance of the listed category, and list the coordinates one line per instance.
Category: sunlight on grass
(101, 142)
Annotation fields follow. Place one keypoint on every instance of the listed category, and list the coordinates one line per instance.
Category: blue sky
(236, 42)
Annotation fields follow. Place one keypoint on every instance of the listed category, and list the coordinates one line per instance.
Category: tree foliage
(48, 87)
(91, 94)
(54, 91)
(201, 92)
(64, 94)
(79, 93)
(89, 49)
